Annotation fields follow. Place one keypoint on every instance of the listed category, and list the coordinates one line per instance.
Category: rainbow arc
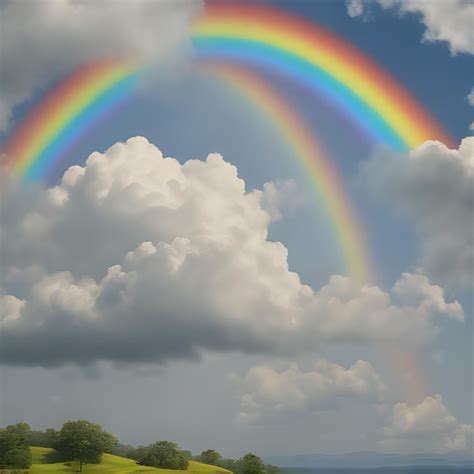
(65, 113)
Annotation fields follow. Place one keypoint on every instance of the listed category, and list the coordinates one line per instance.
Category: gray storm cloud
(433, 186)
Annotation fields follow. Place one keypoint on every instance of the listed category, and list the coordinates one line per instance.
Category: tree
(250, 464)
(18, 458)
(84, 442)
(46, 439)
(8, 441)
(187, 454)
(22, 429)
(271, 469)
(229, 464)
(125, 451)
(14, 452)
(164, 454)
(210, 456)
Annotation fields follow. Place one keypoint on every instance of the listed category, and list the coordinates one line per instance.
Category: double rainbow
(318, 164)
(236, 42)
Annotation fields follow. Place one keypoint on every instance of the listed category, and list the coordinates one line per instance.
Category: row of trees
(168, 455)
(14, 449)
(80, 441)
(248, 464)
(84, 442)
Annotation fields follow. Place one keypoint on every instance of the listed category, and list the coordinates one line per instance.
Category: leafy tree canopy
(250, 464)
(210, 456)
(18, 458)
(164, 454)
(14, 451)
(125, 451)
(84, 442)
(47, 439)
(271, 469)
(187, 454)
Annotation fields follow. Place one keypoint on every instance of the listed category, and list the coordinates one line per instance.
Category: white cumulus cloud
(470, 99)
(426, 427)
(136, 257)
(269, 395)
(449, 21)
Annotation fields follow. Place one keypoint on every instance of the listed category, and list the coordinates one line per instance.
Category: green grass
(111, 464)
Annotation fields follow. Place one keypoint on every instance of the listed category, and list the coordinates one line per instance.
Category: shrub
(164, 454)
(18, 458)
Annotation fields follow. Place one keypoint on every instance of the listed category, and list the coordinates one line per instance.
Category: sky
(174, 275)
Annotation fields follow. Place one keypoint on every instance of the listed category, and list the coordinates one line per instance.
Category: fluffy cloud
(269, 395)
(433, 185)
(427, 427)
(470, 99)
(135, 257)
(448, 20)
(41, 40)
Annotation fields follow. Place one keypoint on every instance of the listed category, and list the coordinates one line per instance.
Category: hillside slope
(111, 464)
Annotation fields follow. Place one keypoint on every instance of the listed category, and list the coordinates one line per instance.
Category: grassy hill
(111, 464)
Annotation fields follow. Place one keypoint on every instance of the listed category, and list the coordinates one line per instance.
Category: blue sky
(191, 115)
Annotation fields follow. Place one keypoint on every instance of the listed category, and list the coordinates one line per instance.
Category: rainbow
(316, 161)
(65, 113)
(233, 41)
(316, 59)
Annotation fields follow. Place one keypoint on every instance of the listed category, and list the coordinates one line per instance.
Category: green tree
(18, 458)
(229, 464)
(164, 454)
(250, 464)
(271, 469)
(8, 441)
(210, 456)
(187, 454)
(22, 429)
(84, 442)
(125, 451)
(11, 439)
(46, 439)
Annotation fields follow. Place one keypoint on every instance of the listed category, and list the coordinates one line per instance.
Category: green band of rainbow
(264, 37)
(65, 113)
(320, 168)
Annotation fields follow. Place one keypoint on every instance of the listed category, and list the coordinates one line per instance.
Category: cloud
(449, 21)
(44, 40)
(355, 8)
(281, 197)
(427, 427)
(470, 97)
(433, 185)
(136, 257)
(269, 395)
